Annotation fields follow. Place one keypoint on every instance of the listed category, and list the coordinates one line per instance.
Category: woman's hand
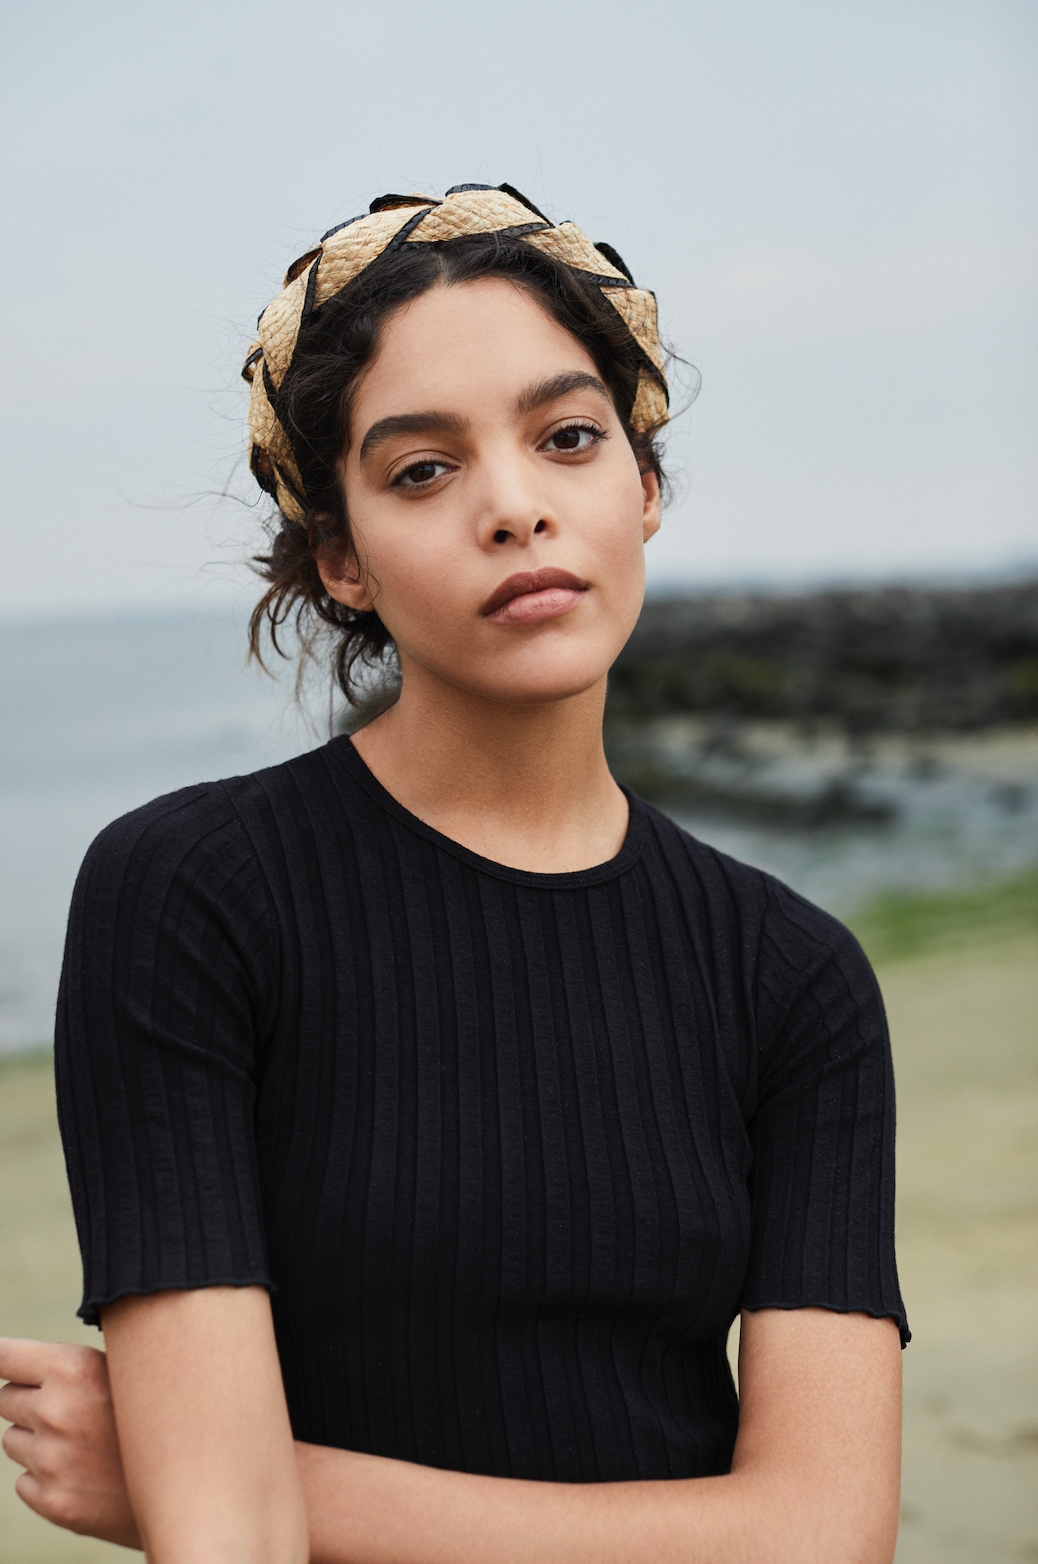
(63, 1433)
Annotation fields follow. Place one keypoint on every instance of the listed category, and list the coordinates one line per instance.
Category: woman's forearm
(369, 1510)
(815, 1477)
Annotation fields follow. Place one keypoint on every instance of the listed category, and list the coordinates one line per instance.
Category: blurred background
(836, 673)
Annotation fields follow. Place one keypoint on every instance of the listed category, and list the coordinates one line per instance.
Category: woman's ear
(343, 578)
(651, 505)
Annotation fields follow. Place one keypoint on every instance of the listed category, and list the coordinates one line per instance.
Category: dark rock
(872, 658)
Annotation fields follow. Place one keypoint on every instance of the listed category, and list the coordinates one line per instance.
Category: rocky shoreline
(869, 659)
(815, 709)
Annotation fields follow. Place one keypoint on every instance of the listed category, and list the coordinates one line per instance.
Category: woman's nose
(514, 508)
(521, 532)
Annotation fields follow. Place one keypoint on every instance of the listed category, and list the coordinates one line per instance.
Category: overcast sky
(835, 203)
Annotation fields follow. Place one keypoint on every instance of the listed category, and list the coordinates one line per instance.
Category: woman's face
(497, 508)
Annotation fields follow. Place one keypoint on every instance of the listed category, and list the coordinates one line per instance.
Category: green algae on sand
(898, 925)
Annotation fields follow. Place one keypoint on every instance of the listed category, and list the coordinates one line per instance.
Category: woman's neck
(526, 786)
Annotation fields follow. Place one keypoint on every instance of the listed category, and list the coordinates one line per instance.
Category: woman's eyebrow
(410, 423)
(560, 385)
(528, 401)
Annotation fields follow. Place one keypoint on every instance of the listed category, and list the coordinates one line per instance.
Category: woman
(429, 1100)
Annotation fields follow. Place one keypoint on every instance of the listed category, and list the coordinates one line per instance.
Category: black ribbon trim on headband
(409, 227)
(392, 203)
(311, 282)
(657, 374)
(516, 231)
(264, 475)
(397, 238)
(508, 190)
(271, 389)
(380, 204)
(274, 398)
(517, 195)
(604, 282)
(311, 291)
(299, 266)
(340, 226)
(249, 363)
(300, 499)
(611, 255)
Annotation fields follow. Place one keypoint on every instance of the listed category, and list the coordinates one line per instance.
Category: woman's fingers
(75, 1511)
(57, 1386)
(38, 1363)
(63, 1432)
(18, 1404)
(23, 1361)
(20, 1444)
(33, 1493)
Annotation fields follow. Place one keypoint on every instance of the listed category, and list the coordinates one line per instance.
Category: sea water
(98, 717)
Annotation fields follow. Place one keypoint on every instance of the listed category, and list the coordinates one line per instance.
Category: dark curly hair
(314, 405)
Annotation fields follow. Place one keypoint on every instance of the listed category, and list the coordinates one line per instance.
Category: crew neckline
(630, 847)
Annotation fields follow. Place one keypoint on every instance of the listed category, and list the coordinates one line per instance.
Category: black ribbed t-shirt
(510, 1149)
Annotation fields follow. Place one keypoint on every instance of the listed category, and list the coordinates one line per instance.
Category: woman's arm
(815, 1479)
(183, 1418)
(203, 1428)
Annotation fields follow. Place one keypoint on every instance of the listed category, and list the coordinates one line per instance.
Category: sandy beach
(965, 1030)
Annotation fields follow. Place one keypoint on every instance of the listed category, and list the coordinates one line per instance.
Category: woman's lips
(533, 595)
(530, 607)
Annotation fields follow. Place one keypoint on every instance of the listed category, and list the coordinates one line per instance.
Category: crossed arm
(197, 1461)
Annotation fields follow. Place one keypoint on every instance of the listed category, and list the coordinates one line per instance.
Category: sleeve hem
(90, 1309)
(897, 1315)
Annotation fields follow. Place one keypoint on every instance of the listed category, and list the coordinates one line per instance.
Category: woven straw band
(345, 251)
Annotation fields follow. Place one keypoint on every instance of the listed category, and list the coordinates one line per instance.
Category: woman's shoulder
(764, 914)
(243, 806)
(197, 821)
(216, 835)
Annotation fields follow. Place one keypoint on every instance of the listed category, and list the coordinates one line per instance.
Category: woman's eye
(577, 437)
(419, 474)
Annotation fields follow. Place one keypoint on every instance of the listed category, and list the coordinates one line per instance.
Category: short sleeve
(166, 990)
(822, 1135)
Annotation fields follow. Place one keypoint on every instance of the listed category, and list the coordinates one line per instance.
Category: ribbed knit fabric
(510, 1148)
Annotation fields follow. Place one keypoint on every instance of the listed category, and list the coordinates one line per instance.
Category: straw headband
(345, 251)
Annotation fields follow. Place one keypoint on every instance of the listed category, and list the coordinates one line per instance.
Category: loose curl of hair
(314, 404)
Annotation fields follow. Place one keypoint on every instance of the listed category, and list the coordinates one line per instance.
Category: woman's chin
(536, 675)
(546, 688)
